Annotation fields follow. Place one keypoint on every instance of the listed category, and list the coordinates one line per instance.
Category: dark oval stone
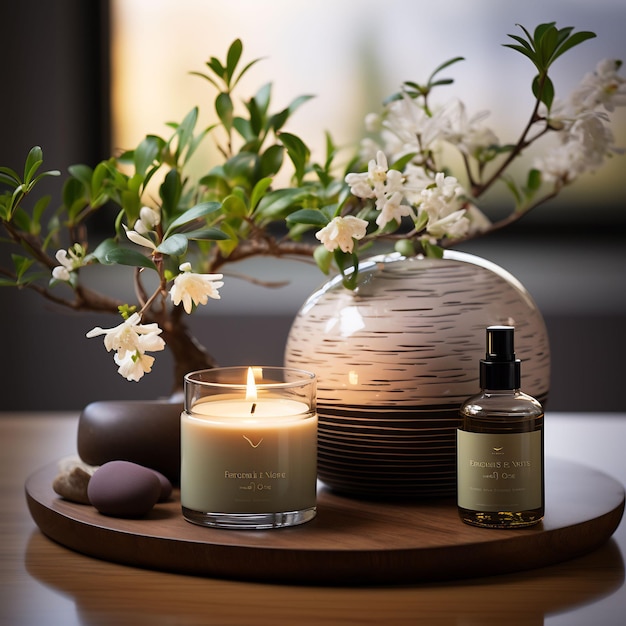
(142, 432)
(124, 489)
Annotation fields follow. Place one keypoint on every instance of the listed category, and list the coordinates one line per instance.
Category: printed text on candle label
(261, 474)
(257, 479)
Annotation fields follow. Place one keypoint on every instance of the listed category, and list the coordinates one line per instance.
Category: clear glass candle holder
(249, 447)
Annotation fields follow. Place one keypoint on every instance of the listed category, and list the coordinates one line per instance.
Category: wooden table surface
(44, 583)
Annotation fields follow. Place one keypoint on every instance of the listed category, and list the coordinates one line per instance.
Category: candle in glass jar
(247, 458)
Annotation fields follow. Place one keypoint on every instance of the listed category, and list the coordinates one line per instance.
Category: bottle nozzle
(500, 369)
(500, 343)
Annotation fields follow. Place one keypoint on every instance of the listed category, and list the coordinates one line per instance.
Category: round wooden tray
(350, 542)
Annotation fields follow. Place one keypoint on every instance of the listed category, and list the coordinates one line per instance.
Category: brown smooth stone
(143, 432)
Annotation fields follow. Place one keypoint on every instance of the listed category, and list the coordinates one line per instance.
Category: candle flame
(251, 386)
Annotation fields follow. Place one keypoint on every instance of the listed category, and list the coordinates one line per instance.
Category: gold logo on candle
(250, 442)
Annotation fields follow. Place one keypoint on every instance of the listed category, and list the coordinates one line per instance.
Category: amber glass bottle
(500, 457)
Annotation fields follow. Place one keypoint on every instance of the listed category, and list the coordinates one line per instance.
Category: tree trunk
(188, 354)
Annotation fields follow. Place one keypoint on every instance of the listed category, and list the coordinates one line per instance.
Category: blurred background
(82, 79)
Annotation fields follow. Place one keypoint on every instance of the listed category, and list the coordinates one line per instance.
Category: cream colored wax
(236, 459)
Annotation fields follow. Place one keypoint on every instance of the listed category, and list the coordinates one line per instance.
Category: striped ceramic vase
(395, 359)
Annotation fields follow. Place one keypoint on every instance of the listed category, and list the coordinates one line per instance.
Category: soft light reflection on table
(43, 583)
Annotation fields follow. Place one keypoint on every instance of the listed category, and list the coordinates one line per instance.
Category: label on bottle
(500, 472)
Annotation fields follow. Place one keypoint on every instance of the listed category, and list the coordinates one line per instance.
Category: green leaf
(298, 153)
(174, 245)
(514, 189)
(209, 234)
(421, 221)
(307, 216)
(224, 109)
(232, 59)
(170, 192)
(272, 160)
(217, 67)
(262, 98)
(543, 91)
(278, 120)
(256, 118)
(442, 67)
(526, 52)
(234, 206)
(103, 249)
(244, 128)
(574, 40)
(259, 190)
(323, 258)
(403, 161)
(33, 162)
(145, 154)
(10, 177)
(127, 256)
(545, 43)
(131, 205)
(74, 197)
(216, 186)
(227, 245)
(275, 203)
(99, 193)
(240, 168)
(243, 71)
(22, 219)
(343, 260)
(194, 213)
(83, 173)
(432, 250)
(38, 210)
(534, 180)
(21, 264)
(184, 131)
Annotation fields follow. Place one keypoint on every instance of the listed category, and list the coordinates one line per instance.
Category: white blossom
(133, 365)
(373, 122)
(149, 219)
(441, 198)
(393, 209)
(359, 185)
(193, 289)
(468, 134)
(602, 88)
(61, 273)
(584, 144)
(383, 184)
(411, 129)
(131, 340)
(70, 260)
(341, 232)
(139, 239)
(453, 225)
(442, 201)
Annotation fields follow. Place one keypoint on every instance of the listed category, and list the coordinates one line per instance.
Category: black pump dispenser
(500, 369)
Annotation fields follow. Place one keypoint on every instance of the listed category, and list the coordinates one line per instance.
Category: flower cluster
(412, 135)
(584, 137)
(194, 289)
(131, 340)
(399, 189)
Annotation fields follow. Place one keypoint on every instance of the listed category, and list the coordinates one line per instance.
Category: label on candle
(242, 456)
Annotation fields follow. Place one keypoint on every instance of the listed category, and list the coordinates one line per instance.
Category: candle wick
(253, 409)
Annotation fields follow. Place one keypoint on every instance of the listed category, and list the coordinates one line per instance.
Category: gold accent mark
(250, 442)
